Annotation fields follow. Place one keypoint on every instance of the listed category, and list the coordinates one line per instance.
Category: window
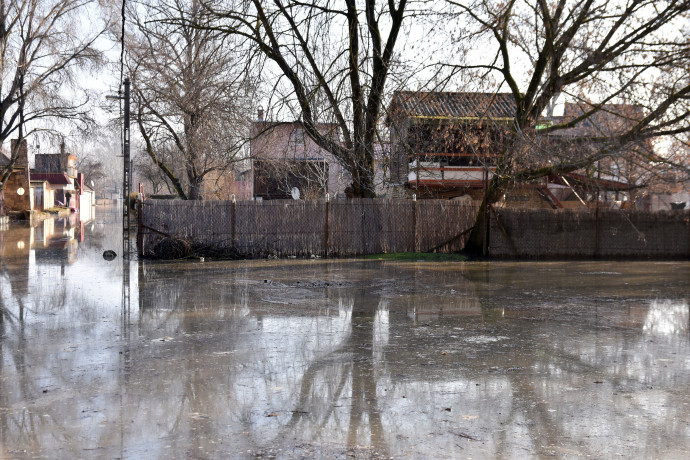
(298, 136)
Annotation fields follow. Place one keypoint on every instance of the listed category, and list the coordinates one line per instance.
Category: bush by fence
(591, 233)
(302, 228)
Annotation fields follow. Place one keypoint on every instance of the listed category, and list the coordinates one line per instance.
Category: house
(446, 144)
(286, 163)
(611, 181)
(16, 194)
(60, 172)
(53, 181)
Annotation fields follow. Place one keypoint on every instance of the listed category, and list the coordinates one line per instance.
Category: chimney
(64, 158)
(260, 114)
(23, 154)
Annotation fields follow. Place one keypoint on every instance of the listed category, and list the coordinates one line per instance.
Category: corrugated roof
(53, 178)
(453, 105)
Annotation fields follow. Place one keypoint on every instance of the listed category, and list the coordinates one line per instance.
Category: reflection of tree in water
(338, 394)
(347, 373)
(17, 426)
(282, 363)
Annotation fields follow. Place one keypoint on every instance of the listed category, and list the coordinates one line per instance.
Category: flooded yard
(335, 358)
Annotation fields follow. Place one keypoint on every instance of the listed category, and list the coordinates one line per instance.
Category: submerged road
(335, 358)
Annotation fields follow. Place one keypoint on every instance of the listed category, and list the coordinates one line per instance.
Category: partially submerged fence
(304, 228)
(589, 233)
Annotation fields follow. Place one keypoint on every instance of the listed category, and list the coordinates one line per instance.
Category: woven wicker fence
(303, 228)
(592, 233)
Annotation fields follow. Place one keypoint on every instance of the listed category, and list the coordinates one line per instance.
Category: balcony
(436, 175)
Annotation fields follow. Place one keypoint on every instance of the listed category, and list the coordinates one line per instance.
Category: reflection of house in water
(57, 240)
(461, 300)
(667, 318)
(426, 307)
(15, 247)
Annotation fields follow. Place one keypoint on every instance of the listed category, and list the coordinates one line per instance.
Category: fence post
(327, 230)
(233, 241)
(414, 225)
(687, 221)
(596, 231)
(361, 226)
(140, 229)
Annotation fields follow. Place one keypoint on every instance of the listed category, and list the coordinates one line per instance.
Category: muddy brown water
(335, 358)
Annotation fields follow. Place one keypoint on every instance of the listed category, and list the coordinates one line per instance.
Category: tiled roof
(610, 119)
(453, 105)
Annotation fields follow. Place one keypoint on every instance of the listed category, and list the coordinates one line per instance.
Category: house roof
(429, 104)
(4, 160)
(52, 178)
(609, 119)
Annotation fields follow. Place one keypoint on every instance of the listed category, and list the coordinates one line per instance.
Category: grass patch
(415, 256)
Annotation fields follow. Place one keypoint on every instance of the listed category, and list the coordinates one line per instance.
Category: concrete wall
(588, 233)
(87, 205)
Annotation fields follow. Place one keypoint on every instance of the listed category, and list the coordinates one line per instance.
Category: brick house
(51, 182)
(16, 195)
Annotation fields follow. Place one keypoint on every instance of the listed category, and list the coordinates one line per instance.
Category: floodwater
(335, 359)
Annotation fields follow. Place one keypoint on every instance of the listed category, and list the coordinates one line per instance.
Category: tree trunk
(475, 244)
(195, 191)
(362, 185)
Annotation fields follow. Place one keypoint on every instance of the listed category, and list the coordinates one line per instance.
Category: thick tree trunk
(194, 192)
(362, 171)
(478, 242)
(362, 185)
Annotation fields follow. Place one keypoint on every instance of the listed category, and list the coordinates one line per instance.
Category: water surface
(337, 358)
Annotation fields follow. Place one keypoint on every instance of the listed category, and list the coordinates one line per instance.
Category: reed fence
(304, 227)
(588, 234)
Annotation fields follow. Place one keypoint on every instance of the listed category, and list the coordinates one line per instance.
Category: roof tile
(454, 105)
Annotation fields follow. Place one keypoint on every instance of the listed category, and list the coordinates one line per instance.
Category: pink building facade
(284, 158)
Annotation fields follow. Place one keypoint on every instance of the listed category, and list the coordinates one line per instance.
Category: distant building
(53, 181)
(59, 170)
(612, 181)
(16, 194)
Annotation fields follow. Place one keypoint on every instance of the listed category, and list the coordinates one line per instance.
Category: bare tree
(336, 59)
(633, 53)
(42, 49)
(191, 88)
(152, 176)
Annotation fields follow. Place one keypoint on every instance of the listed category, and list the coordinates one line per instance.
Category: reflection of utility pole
(126, 185)
(126, 176)
(485, 218)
